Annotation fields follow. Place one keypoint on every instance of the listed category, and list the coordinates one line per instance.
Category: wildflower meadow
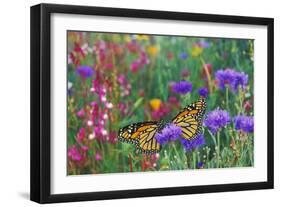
(115, 80)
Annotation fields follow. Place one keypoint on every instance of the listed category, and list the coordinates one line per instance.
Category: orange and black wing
(190, 119)
(142, 135)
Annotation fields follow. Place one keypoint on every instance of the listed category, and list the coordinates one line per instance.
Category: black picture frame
(41, 96)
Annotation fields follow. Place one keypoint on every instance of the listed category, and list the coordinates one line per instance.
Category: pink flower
(113, 137)
(173, 100)
(81, 135)
(170, 55)
(134, 66)
(97, 130)
(185, 73)
(132, 47)
(78, 49)
(122, 107)
(121, 79)
(85, 148)
(80, 113)
(143, 59)
(109, 66)
(74, 154)
(141, 93)
(98, 156)
(247, 106)
(161, 112)
(101, 55)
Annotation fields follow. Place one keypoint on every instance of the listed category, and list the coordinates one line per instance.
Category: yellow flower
(152, 50)
(142, 37)
(155, 103)
(73, 37)
(127, 38)
(196, 50)
(116, 38)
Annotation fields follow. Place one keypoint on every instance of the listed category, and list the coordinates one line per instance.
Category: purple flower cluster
(203, 44)
(232, 78)
(182, 87)
(194, 143)
(85, 71)
(203, 92)
(217, 119)
(244, 123)
(183, 55)
(170, 133)
(200, 164)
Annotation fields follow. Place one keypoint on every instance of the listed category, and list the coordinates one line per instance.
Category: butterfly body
(143, 134)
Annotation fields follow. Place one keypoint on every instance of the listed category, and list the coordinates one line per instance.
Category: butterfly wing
(190, 119)
(147, 142)
(142, 135)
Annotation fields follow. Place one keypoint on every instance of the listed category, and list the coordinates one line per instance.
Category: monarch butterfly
(143, 134)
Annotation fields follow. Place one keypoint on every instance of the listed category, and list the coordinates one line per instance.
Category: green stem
(240, 99)
(227, 98)
(213, 137)
(251, 150)
(207, 157)
(194, 159)
(176, 151)
(218, 149)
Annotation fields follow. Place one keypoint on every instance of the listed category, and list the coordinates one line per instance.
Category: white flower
(109, 105)
(91, 136)
(105, 116)
(69, 60)
(104, 132)
(90, 123)
(69, 85)
(103, 99)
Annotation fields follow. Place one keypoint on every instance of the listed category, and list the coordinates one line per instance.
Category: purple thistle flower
(232, 78)
(183, 55)
(240, 79)
(189, 145)
(225, 77)
(170, 133)
(85, 71)
(203, 92)
(244, 123)
(200, 164)
(217, 119)
(203, 43)
(182, 87)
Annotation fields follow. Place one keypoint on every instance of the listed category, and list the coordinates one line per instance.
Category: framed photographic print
(132, 103)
